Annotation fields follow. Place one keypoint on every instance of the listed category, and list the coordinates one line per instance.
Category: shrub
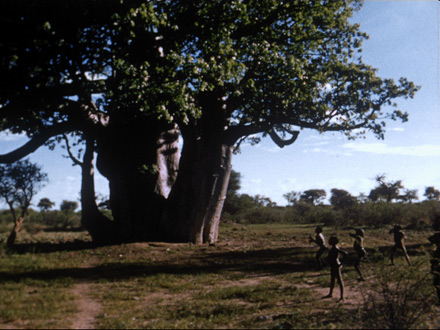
(399, 299)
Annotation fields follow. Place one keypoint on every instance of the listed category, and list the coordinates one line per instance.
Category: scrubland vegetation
(260, 274)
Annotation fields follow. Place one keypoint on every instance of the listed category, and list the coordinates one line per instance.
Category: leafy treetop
(246, 66)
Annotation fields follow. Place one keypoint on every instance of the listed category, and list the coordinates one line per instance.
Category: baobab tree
(133, 76)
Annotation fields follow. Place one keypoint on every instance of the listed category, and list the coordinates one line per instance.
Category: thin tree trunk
(100, 228)
(13, 235)
(218, 197)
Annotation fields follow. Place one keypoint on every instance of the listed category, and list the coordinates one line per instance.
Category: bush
(370, 214)
(399, 300)
(262, 214)
(52, 220)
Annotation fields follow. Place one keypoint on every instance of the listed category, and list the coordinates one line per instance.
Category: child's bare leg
(341, 286)
(392, 255)
(406, 255)
(332, 285)
(358, 269)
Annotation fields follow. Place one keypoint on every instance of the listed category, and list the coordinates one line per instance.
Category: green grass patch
(257, 276)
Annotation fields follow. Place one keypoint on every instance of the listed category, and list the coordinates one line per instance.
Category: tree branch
(282, 142)
(75, 160)
(36, 141)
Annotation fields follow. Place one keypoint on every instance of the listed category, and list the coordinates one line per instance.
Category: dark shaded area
(206, 260)
(63, 230)
(75, 245)
(266, 262)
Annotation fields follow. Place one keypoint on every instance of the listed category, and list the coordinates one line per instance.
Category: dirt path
(88, 307)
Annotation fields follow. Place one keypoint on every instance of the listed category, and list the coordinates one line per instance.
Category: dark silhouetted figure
(358, 246)
(335, 266)
(399, 236)
(435, 260)
(320, 241)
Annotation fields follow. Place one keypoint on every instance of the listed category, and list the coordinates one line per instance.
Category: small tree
(234, 184)
(19, 182)
(341, 199)
(67, 206)
(313, 196)
(408, 196)
(431, 193)
(385, 190)
(45, 204)
(264, 201)
(292, 197)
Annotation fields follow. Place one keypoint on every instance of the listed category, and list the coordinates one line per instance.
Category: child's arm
(344, 253)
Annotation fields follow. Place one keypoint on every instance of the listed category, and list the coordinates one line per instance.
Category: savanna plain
(260, 276)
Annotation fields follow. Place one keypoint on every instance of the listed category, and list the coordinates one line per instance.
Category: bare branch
(282, 142)
(35, 142)
(75, 160)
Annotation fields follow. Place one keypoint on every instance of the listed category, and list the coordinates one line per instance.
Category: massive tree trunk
(100, 228)
(140, 161)
(195, 203)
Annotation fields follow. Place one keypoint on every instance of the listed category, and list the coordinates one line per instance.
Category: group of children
(335, 253)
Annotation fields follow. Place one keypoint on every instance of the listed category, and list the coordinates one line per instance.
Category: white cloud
(426, 150)
(398, 129)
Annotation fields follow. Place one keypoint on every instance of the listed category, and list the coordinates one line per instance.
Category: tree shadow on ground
(75, 245)
(264, 262)
(63, 229)
(258, 262)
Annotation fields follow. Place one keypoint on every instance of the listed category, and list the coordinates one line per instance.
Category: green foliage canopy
(341, 198)
(252, 66)
(45, 204)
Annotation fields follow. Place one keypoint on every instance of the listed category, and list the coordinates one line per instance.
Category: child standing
(358, 246)
(399, 236)
(335, 266)
(320, 241)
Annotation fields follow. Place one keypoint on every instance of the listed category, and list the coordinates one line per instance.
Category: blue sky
(404, 42)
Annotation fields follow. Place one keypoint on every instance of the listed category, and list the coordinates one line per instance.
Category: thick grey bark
(195, 203)
(168, 156)
(217, 199)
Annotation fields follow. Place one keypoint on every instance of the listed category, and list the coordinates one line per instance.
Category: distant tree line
(387, 203)
(19, 183)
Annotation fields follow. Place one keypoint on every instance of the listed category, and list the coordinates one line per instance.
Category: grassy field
(257, 276)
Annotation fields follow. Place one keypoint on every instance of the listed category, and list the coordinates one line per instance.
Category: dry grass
(257, 276)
